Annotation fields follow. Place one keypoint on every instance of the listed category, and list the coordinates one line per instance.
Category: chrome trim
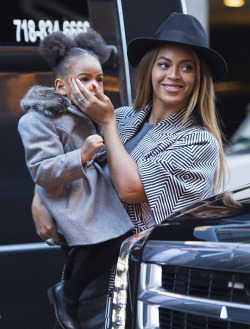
(124, 49)
(184, 7)
(25, 247)
(239, 313)
(151, 320)
(150, 277)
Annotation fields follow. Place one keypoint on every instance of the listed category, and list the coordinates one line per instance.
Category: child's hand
(92, 144)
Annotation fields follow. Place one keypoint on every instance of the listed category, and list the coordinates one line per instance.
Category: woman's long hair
(202, 100)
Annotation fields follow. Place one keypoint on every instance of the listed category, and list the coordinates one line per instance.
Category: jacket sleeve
(180, 174)
(48, 165)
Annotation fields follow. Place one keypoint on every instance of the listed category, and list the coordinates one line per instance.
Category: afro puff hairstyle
(93, 42)
(55, 46)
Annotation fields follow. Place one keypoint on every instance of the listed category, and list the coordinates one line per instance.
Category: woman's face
(88, 70)
(173, 77)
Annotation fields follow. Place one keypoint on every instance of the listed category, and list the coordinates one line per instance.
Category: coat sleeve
(180, 174)
(44, 154)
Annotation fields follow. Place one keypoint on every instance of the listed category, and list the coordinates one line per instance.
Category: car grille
(175, 320)
(194, 286)
(219, 285)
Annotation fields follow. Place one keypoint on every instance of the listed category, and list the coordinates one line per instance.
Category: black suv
(191, 271)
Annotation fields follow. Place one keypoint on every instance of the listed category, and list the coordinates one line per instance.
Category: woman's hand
(92, 144)
(44, 223)
(123, 168)
(94, 103)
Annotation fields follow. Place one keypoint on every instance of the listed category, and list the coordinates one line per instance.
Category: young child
(61, 144)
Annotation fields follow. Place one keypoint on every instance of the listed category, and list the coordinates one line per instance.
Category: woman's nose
(173, 72)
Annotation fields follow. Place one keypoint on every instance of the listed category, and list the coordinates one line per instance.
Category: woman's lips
(172, 88)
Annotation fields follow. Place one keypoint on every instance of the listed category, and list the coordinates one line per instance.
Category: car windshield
(240, 142)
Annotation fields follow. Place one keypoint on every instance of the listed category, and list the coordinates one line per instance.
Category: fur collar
(45, 100)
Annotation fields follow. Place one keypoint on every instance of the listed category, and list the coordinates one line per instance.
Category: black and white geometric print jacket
(176, 163)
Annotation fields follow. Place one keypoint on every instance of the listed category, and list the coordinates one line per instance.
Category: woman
(165, 152)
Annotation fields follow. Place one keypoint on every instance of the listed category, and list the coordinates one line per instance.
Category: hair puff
(92, 41)
(54, 47)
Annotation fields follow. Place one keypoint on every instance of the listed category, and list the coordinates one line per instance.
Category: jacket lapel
(163, 135)
(128, 127)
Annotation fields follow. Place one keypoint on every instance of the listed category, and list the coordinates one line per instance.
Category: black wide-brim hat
(185, 30)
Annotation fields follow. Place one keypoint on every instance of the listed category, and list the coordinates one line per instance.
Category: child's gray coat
(81, 199)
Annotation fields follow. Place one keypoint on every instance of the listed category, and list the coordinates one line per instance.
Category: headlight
(119, 302)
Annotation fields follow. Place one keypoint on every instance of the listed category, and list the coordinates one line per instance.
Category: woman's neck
(160, 113)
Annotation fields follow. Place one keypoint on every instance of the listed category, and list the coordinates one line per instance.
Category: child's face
(88, 70)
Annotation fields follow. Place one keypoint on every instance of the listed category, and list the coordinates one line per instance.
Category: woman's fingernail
(70, 92)
(71, 79)
(94, 86)
(75, 79)
(69, 83)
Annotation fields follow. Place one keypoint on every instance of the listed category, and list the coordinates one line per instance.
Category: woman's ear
(60, 87)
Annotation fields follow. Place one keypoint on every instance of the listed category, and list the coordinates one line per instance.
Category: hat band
(181, 37)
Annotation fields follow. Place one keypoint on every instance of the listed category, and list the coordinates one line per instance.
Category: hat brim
(137, 48)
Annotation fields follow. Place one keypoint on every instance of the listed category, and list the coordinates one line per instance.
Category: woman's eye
(163, 65)
(187, 68)
(84, 79)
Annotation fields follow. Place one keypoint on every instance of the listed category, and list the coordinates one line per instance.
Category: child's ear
(60, 87)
